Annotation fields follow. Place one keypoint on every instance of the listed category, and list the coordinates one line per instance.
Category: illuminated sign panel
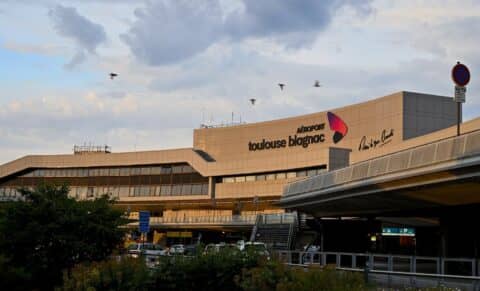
(398, 231)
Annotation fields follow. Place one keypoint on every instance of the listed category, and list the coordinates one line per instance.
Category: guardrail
(463, 267)
(428, 154)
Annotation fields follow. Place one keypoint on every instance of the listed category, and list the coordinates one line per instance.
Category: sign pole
(459, 112)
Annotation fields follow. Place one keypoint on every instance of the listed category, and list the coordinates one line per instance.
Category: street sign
(460, 94)
(144, 223)
(460, 74)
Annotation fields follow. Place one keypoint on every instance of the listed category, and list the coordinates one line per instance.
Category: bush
(125, 274)
(203, 272)
(227, 270)
(277, 276)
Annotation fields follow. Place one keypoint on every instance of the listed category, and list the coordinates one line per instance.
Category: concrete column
(211, 187)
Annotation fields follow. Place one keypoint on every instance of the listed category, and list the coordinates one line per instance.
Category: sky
(184, 63)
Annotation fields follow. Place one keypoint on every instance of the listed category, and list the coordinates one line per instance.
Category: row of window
(134, 191)
(120, 171)
(273, 176)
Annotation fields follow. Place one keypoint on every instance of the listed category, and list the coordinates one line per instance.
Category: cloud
(86, 34)
(167, 32)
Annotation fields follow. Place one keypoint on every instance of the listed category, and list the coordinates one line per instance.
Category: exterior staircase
(277, 231)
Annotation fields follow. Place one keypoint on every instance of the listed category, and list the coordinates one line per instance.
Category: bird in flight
(253, 101)
(113, 75)
(317, 84)
(281, 85)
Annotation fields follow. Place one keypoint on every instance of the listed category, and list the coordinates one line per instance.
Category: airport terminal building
(233, 173)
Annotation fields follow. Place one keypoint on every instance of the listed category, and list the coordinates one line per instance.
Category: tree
(50, 232)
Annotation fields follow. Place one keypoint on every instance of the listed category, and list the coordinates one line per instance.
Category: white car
(148, 249)
(176, 250)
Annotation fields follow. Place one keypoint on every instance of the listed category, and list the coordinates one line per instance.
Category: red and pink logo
(338, 126)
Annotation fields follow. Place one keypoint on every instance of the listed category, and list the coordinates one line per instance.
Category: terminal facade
(231, 174)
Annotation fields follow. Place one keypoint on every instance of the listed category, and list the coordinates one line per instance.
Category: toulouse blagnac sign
(337, 125)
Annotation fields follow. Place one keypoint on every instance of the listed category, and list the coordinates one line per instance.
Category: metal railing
(465, 267)
(423, 155)
(277, 218)
(221, 220)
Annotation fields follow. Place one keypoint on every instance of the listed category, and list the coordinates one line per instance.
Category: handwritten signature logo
(384, 139)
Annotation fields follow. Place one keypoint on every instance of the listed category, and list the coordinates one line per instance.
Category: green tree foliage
(50, 232)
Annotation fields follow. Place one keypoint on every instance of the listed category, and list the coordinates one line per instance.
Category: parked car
(137, 249)
(178, 249)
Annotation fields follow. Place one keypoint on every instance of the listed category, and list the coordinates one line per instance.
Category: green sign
(398, 231)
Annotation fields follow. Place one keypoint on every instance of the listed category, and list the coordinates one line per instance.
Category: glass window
(197, 189)
(114, 171)
(165, 190)
(177, 190)
(123, 191)
(95, 172)
(136, 191)
(260, 177)
(177, 169)
(240, 179)
(204, 189)
(73, 192)
(157, 191)
(250, 178)
(301, 173)
(125, 172)
(188, 169)
(82, 192)
(145, 190)
(135, 171)
(166, 170)
(281, 175)
(270, 177)
(145, 171)
(228, 180)
(155, 170)
(90, 192)
(311, 173)
(104, 172)
(291, 175)
(187, 189)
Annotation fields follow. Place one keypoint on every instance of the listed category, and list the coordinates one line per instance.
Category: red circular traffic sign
(460, 74)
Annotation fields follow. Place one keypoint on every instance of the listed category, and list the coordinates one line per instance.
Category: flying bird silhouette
(281, 86)
(317, 84)
(113, 75)
(253, 101)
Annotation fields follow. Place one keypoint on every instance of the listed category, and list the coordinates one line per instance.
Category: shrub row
(223, 271)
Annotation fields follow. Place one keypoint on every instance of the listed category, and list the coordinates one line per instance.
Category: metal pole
(459, 110)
